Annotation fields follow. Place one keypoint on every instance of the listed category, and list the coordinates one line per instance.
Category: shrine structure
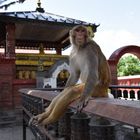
(30, 30)
(42, 31)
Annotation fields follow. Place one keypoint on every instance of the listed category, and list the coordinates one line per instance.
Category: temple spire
(39, 9)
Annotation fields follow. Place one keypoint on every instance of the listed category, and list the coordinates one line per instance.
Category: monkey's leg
(62, 103)
(48, 110)
(38, 118)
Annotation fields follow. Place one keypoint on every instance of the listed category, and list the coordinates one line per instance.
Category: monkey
(88, 63)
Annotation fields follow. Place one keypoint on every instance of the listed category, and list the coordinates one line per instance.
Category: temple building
(33, 30)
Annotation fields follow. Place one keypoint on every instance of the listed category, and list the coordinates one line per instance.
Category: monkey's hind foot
(82, 103)
(38, 120)
(33, 121)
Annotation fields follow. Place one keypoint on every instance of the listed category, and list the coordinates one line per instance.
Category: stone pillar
(80, 126)
(8, 70)
(113, 69)
(10, 40)
(101, 129)
(64, 125)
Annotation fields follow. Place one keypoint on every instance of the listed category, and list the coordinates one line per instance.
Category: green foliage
(128, 65)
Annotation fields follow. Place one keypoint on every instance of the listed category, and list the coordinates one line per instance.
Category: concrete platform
(14, 132)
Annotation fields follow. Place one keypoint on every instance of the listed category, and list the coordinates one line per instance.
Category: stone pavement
(14, 132)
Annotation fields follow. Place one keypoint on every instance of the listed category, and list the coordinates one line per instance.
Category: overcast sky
(119, 19)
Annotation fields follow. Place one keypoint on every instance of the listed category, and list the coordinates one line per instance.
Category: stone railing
(125, 92)
(101, 119)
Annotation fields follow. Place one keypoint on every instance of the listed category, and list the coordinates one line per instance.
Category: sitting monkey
(88, 63)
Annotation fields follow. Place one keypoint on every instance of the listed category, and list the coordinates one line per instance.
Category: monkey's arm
(90, 84)
(73, 78)
(74, 73)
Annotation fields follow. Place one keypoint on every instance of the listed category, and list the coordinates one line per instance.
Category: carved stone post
(101, 129)
(80, 126)
(64, 124)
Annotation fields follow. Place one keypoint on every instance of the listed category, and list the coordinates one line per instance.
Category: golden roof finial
(39, 9)
(39, 4)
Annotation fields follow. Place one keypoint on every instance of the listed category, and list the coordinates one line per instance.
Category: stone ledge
(124, 111)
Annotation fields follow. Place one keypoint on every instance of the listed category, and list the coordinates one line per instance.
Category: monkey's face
(80, 36)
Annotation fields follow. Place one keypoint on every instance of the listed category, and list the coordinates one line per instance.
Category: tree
(128, 65)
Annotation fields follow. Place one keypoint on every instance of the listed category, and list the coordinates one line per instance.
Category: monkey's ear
(90, 32)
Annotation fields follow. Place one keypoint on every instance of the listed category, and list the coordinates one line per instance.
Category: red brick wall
(9, 96)
(7, 73)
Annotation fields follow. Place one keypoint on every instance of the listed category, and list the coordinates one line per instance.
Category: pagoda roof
(33, 27)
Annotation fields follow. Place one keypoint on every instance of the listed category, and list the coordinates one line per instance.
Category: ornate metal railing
(102, 119)
(125, 92)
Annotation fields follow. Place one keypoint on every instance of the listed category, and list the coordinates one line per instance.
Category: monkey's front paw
(82, 103)
(80, 106)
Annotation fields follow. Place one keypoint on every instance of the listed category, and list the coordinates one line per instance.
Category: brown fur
(88, 63)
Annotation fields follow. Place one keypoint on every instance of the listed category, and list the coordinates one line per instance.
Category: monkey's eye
(80, 30)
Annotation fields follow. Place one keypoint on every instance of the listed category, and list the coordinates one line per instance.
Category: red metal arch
(133, 49)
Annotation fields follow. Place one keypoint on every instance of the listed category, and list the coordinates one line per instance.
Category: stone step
(10, 117)
(7, 118)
